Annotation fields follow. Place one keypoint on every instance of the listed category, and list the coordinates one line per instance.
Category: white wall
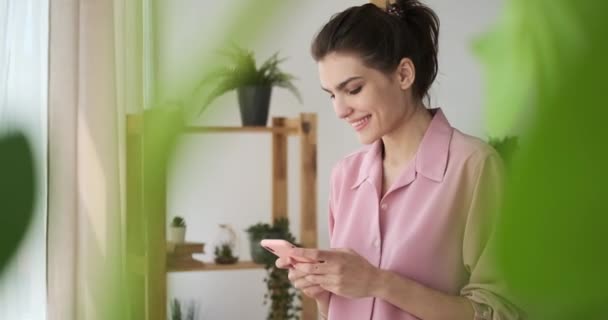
(226, 178)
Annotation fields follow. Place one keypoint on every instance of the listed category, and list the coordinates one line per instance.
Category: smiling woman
(411, 215)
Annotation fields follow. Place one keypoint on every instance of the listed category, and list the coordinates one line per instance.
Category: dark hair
(382, 39)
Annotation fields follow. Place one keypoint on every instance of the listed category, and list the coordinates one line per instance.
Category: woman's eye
(353, 92)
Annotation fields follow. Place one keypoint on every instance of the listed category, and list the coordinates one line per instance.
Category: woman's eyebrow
(343, 83)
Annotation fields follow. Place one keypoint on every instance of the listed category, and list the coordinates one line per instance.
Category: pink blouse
(431, 226)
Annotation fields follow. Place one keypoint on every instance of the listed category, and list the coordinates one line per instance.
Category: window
(23, 107)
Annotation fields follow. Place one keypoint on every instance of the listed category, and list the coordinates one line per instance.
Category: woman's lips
(358, 125)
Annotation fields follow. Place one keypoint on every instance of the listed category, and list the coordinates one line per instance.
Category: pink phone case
(281, 249)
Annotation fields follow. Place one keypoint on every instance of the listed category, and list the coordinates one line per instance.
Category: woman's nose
(342, 110)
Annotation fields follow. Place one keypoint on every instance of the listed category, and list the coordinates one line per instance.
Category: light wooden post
(135, 224)
(279, 170)
(154, 213)
(308, 195)
(381, 3)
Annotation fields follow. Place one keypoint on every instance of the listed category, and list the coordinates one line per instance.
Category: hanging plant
(279, 292)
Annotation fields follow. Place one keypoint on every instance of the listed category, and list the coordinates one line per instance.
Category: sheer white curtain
(23, 107)
(94, 73)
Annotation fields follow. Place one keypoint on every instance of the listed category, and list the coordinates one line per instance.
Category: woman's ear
(406, 73)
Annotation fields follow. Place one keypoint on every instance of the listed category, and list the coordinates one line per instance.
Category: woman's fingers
(295, 275)
(298, 280)
(303, 284)
(284, 263)
(314, 291)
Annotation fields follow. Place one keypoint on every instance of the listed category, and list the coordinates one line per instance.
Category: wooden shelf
(150, 197)
(288, 127)
(186, 248)
(241, 265)
(284, 130)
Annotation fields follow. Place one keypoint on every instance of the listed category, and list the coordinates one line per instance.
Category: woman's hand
(342, 271)
(298, 279)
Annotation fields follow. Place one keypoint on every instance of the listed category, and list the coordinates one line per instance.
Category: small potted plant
(280, 292)
(177, 312)
(253, 84)
(178, 230)
(224, 255)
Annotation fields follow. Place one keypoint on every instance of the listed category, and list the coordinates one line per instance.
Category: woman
(411, 215)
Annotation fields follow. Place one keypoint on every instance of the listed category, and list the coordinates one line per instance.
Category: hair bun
(402, 8)
(395, 10)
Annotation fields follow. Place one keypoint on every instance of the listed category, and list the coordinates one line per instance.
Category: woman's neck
(401, 144)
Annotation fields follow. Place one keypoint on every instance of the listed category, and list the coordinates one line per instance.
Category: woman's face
(372, 102)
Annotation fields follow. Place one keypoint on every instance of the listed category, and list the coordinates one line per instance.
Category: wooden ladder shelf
(144, 257)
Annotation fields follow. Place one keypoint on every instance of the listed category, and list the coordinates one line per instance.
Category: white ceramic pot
(178, 234)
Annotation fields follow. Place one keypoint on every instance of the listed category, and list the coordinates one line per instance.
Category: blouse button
(384, 206)
(377, 243)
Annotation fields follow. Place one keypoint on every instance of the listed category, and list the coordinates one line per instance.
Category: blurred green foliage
(17, 193)
(546, 65)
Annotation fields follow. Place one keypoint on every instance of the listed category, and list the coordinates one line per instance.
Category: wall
(226, 178)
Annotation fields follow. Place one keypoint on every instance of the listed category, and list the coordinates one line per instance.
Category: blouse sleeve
(486, 289)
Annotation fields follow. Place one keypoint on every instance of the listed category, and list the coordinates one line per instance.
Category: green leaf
(18, 190)
(546, 67)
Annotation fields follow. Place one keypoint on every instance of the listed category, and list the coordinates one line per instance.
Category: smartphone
(281, 249)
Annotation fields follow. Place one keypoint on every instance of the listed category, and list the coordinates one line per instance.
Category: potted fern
(253, 84)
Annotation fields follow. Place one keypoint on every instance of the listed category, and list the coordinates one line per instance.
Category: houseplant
(224, 255)
(280, 292)
(226, 245)
(253, 84)
(178, 230)
(257, 233)
(178, 312)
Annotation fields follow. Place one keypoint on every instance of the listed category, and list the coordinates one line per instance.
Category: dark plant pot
(258, 253)
(226, 260)
(254, 102)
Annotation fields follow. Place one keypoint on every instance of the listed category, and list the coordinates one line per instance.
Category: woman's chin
(366, 138)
